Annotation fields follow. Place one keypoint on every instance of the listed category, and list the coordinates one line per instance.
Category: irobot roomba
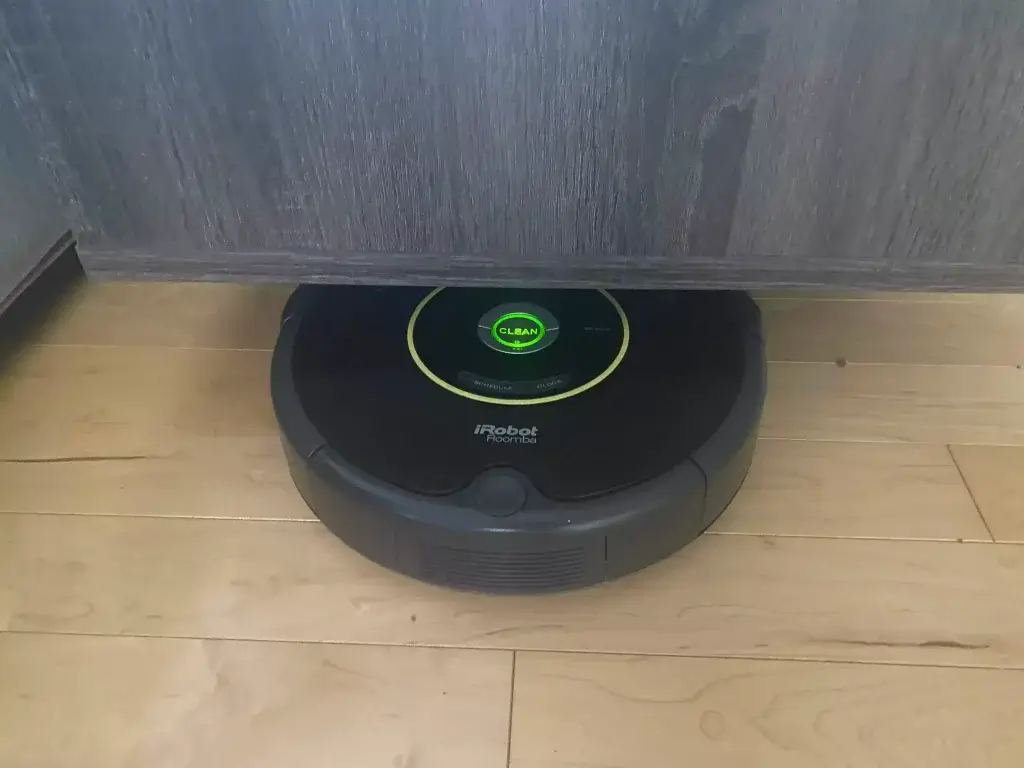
(513, 440)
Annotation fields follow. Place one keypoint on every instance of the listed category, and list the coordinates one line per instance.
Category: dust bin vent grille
(505, 571)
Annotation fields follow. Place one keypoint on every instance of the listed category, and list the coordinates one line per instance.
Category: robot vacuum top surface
(582, 391)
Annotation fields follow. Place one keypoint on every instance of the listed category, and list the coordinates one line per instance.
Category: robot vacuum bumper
(505, 440)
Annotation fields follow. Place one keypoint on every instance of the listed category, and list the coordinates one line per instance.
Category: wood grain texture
(132, 703)
(134, 437)
(136, 396)
(895, 403)
(809, 488)
(143, 389)
(826, 599)
(238, 478)
(117, 423)
(404, 126)
(648, 272)
(35, 212)
(839, 143)
(917, 332)
(797, 488)
(634, 712)
(186, 315)
(930, 329)
(889, 297)
(888, 133)
(995, 477)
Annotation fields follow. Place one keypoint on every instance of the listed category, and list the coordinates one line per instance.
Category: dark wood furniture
(834, 143)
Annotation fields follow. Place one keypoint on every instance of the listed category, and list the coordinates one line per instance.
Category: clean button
(517, 328)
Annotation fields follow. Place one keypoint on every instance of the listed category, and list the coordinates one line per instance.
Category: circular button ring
(517, 329)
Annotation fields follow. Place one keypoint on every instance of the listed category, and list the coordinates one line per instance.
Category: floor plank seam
(144, 516)
(839, 537)
(511, 711)
(967, 486)
(879, 441)
(309, 521)
(171, 347)
(896, 298)
(524, 650)
(882, 364)
(267, 350)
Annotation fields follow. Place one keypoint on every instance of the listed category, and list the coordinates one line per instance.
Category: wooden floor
(167, 600)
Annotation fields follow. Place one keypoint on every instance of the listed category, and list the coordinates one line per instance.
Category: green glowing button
(518, 328)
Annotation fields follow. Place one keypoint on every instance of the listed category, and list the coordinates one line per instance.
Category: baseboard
(575, 272)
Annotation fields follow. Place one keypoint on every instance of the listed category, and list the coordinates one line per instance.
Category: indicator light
(518, 330)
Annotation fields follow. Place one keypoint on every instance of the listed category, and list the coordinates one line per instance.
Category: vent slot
(505, 571)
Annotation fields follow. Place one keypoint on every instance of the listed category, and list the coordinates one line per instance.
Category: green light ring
(532, 401)
(517, 345)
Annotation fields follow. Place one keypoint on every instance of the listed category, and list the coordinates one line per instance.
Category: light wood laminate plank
(895, 403)
(931, 333)
(194, 477)
(896, 601)
(226, 392)
(642, 712)
(965, 329)
(795, 487)
(147, 390)
(192, 315)
(995, 477)
(896, 328)
(105, 702)
(883, 490)
(891, 296)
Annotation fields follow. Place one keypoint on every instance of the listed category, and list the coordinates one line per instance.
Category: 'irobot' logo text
(506, 434)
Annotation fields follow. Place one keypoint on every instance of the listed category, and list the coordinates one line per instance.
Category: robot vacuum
(507, 440)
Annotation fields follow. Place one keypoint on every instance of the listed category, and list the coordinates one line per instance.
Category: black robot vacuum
(514, 440)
